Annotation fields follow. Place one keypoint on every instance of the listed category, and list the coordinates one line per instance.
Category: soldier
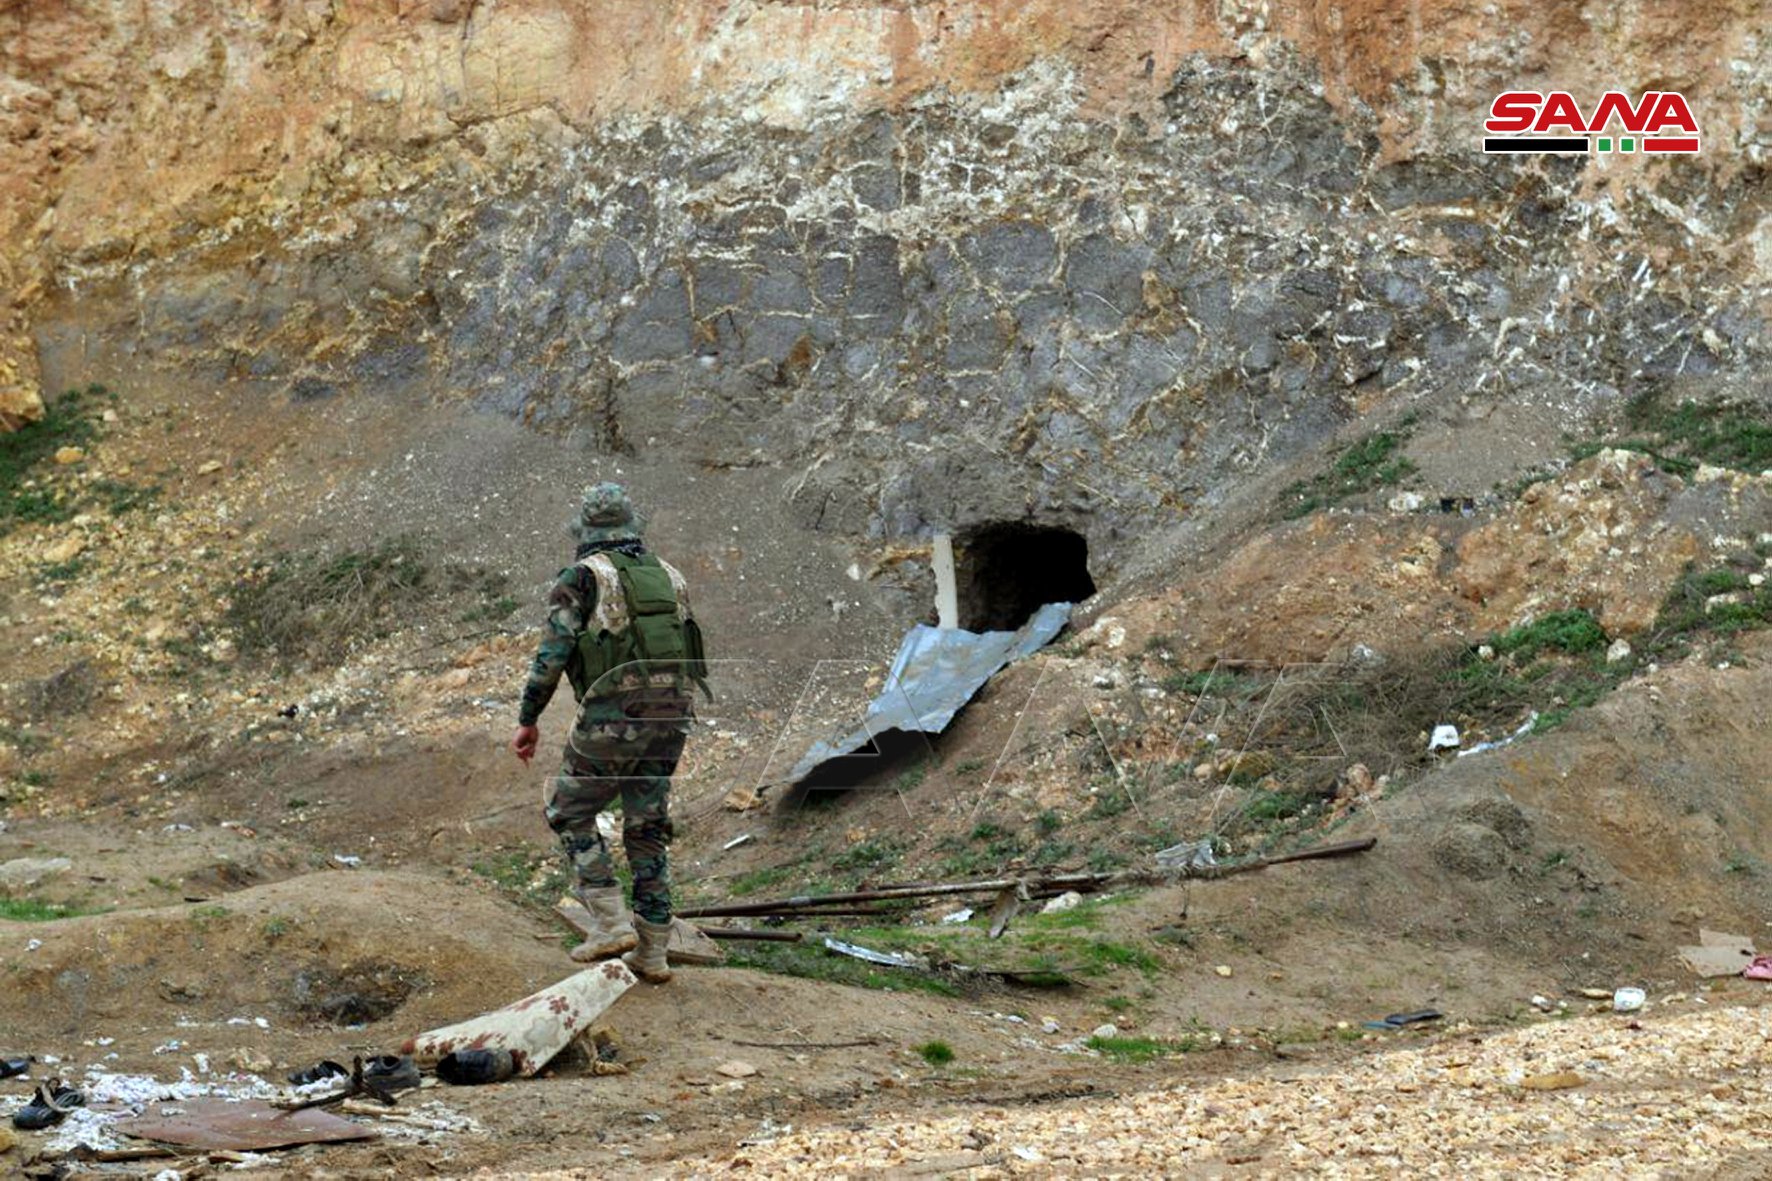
(620, 627)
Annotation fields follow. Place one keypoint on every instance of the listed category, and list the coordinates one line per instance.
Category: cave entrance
(1007, 570)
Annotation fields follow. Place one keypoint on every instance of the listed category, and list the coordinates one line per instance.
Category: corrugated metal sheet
(936, 672)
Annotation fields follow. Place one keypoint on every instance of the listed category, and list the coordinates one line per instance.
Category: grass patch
(1141, 1049)
(30, 910)
(815, 963)
(936, 1053)
(318, 606)
(760, 879)
(28, 453)
(871, 854)
(1681, 436)
(1373, 462)
(534, 879)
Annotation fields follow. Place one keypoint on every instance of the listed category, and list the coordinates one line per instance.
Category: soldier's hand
(524, 743)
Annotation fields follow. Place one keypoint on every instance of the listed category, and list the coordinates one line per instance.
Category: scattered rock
(1065, 901)
(250, 1061)
(1108, 1030)
(1620, 650)
(736, 1068)
(69, 455)
(209, 467)
(25, 872)
(65, 550)
(1561, 1080)
(1357, 781)
(1223, 970)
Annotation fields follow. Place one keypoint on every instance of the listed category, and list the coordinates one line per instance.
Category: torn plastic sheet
(1187, 855)
(936, 672)
(1525, 729)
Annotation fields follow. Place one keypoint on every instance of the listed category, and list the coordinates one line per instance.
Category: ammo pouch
(660, 641)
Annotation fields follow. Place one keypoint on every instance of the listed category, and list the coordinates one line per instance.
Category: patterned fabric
(570, 603)
(624, 747)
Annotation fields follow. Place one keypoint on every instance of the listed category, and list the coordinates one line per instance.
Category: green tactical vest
(660, 644)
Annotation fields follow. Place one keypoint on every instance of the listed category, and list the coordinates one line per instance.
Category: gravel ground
(1676, 1096)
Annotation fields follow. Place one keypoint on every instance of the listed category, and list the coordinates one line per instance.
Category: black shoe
(473, 1068)
(13, 1067)
(324, 1069)
(51, 1105)
(388, 1073)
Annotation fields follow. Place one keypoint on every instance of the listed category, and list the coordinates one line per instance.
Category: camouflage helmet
(605, 514)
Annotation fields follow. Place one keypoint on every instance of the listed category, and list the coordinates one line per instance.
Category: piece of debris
(736, 1068)
(1399, 1020)
(13, 1067)
(1065, 901)
(1443, 738)
(1759, 969)
(1543, 1004)
(69, 455)
(1718, 954)
(324, 1069)
(742, 799)
(964, 914)
(348, 860)
(1008, 904)
(250, 1125)
(735, 842)
(936, 672)
(894, 959)
(1561, 1080)
(1520, 732)
(473, 1068)
(1628, 1000)
(1223, 970)
(537, 1027)
(1187, 855)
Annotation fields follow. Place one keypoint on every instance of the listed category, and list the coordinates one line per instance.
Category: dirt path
(1680, 1096)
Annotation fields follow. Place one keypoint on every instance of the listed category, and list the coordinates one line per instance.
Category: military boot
(648, 960)
(612, 932)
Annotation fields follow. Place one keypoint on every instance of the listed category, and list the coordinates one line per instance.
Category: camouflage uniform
(624, 743)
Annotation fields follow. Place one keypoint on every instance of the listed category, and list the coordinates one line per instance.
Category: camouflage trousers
(623, 747)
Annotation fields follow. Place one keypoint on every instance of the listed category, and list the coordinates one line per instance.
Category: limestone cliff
(1122, 250)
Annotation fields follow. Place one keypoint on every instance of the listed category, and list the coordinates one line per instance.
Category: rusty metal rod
(751, 933)
(1035, 883)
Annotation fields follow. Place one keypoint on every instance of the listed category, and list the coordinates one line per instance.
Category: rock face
(943, 264)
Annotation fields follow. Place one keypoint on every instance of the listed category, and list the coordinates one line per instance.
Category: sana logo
(1527, 121)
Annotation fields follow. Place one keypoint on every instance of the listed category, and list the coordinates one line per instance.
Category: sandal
(51, 1105)
(388, 1073)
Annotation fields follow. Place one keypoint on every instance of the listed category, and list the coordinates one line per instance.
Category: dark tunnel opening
(1007, 570)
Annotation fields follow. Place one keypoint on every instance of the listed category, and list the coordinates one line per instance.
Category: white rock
(1444, 738)
(1065, 901)
(25, 872)
(1620, 650)
(1108, 1030)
